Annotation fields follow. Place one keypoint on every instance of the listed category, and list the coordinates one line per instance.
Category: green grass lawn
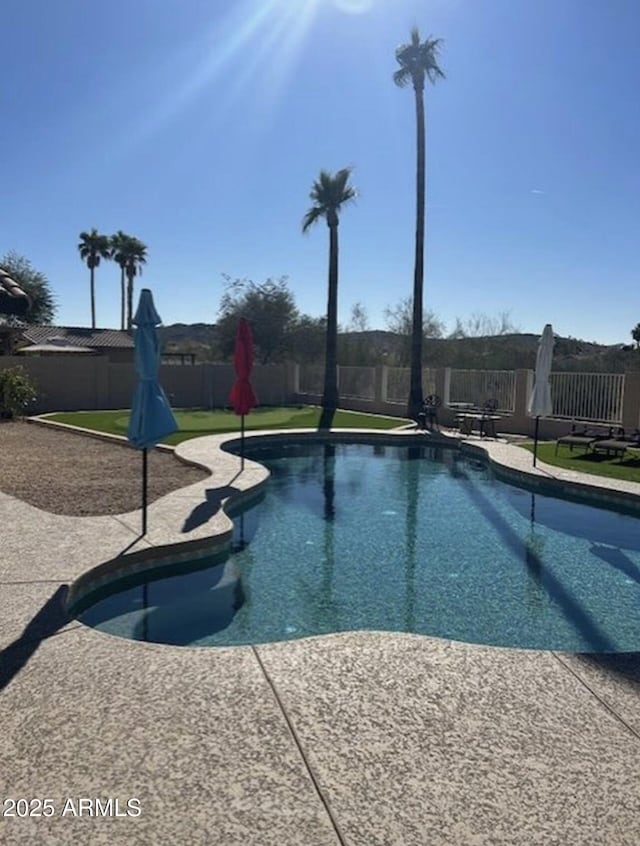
(596, 463)
(195, 422)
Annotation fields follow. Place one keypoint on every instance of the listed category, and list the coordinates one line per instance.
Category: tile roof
(81, 336)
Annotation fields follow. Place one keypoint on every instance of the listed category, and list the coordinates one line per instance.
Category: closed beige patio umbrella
(540, 404)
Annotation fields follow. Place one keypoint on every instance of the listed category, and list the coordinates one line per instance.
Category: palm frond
(312, 216)
(93, 245)
(350, 195)
(429, 52)
(129, 252)
(329, 193)
(402, 77)
(341, 179)
(324, 183)
(418, 59)
(118, 242)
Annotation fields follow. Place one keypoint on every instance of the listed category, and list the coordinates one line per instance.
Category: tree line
(281, 332)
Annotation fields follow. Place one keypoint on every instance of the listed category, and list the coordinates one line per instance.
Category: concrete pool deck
(364, 738)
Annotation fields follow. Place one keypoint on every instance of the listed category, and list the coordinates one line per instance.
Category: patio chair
(487, 423)
(584, 435)
(428, 415)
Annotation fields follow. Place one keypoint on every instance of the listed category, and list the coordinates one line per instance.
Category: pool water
(404, 539)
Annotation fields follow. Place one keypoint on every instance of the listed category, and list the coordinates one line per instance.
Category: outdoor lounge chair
(586, 436)
(618, 445)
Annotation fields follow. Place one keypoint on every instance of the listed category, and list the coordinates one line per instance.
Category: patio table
(484, 423)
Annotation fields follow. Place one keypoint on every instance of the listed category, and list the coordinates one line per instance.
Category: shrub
(16, 391)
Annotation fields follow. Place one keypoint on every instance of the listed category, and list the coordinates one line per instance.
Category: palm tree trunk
(122, 298)
(415, 389)
(330, 396)
(93, 298)
(129, 298)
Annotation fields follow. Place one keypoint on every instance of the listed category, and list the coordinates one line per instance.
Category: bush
(16, 392)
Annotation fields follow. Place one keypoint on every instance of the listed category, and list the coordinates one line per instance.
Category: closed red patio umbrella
(242, 397)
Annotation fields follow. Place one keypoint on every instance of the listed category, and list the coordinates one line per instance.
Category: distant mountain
(495, 352)
(377, 346)
(197, 338)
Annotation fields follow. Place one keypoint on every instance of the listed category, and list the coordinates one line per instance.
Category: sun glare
(257, 42)
(353, 7)
(280, 42)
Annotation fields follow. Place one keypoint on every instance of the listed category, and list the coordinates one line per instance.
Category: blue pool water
(396, 538)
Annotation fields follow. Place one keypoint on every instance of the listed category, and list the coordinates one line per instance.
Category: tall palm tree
(137, 256)
(92, 248)
(417, 60)
(329, 193)
(130, 253)
(119, 255)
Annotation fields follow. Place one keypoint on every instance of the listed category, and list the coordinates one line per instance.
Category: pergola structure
(13, 300)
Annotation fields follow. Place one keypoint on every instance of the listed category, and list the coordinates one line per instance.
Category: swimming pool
(389, 537)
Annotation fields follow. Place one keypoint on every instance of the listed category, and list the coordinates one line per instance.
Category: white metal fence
(479, 386)
(357, 382)
(588, 396)
(353, 382)
(311, 378)
(583, 396)
(398, 381)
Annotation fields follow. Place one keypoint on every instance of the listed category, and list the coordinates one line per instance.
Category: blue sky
(200, 125)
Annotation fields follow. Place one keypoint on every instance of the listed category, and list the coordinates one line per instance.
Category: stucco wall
(80, 383)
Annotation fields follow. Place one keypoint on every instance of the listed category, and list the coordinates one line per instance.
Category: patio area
(364, 738)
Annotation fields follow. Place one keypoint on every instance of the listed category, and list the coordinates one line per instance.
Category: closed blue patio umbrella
(151, 416)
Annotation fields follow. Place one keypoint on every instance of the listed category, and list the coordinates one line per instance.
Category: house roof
(13, 300)
(80, 336)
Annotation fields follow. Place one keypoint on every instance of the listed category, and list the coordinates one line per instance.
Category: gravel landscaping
(74, 474)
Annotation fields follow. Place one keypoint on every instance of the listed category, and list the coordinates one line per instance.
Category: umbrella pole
(144, 491)
(242, 441)
(535, 442)
(145, 605)
(533, 510)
